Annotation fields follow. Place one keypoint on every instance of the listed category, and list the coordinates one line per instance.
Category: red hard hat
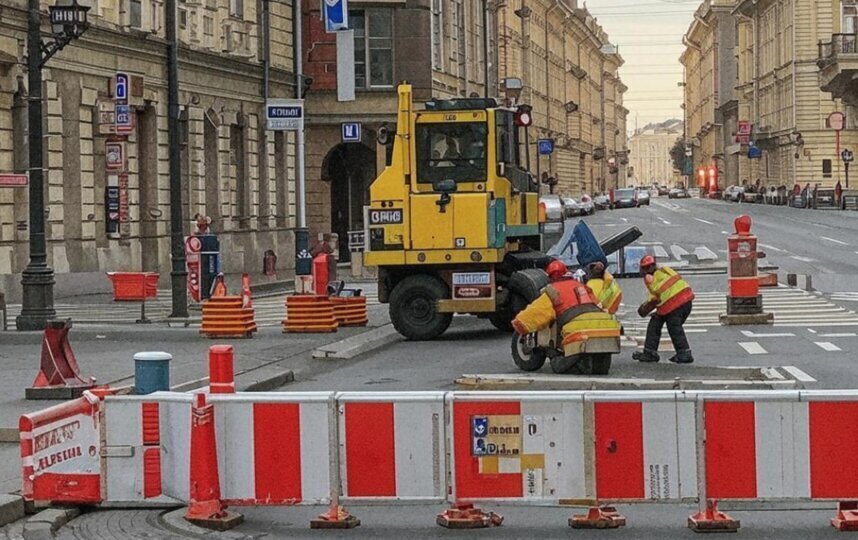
(647, 260)
(556, 269)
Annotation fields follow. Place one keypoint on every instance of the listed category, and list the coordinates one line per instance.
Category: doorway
(350, 168)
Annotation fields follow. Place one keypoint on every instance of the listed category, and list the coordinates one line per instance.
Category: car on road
(571, 207)
(602, 202)
(587, 205)
(643, 197)
(734, 193)
(678, 193)
(625, 198)
(663, 190)
(555, 216)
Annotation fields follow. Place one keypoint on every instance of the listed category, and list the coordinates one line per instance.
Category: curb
(9, 435)
(175, 520)
(43, 525)
(356, 345)
(11, 509)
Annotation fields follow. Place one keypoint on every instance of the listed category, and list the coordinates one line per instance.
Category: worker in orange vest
(562, 300)
(671, 297)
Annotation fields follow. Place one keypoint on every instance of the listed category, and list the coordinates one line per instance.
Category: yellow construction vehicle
(455, 216)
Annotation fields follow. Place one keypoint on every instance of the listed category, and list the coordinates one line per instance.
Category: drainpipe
(548, 69)
(486, 49)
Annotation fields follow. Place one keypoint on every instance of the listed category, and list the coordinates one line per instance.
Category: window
(136, 14)
(373, 47)
(437, 34)
(183, 19)
(508, 140)
(155, 10)
(826, 168)
(452, 151)
(208, 26)
(236, 9)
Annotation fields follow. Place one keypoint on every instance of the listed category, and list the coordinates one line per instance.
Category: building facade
(649, 150)
(780, 95)
(710, 102)
(233, 169)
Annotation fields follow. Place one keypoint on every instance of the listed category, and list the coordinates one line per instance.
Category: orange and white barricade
(147, 444)
(275, 448)
(392, 446)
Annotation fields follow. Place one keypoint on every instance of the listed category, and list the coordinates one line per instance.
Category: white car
(643, 197)
(571, 207)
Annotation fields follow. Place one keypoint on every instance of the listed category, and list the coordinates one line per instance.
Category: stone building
(779, 90)
(710, 100)
(569, 70)
(649, 149)
(233, 170)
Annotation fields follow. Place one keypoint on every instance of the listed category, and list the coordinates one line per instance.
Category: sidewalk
(106, 352)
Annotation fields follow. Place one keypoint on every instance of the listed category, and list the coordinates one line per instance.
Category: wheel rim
(524, 350)
(421, 309)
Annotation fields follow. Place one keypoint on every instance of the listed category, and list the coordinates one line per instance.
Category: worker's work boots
(645, 356)
(682, 357)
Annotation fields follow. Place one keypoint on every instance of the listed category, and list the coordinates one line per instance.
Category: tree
(677, 155)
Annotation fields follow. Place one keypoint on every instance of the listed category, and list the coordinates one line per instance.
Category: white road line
(752, 347)
(799, 374)
(811, 330)
(827, 346)
(748, 333)
(724, 232)
(802, 259)
(833, 240)
(625, 220)
(839, 334)
(704, 221)
(773, 248)
(664, 221)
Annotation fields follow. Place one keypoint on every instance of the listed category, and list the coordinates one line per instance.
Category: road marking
(802, 259)
(827, 346)
(724, 232)
(704, 221)
(773, 248)
(833, 240)
(625, 220)
(811, 330)
(748, 333)
(840, 334)
(664, 220)
(799, 374)
(752, 347)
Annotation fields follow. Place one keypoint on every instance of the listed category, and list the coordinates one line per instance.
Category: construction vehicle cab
(454, 215)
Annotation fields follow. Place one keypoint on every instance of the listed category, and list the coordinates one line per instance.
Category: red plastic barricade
(60, 452)
(134, 286)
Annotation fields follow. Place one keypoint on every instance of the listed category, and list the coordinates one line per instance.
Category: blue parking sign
(336, 15)
(351, 131)
(545, 146)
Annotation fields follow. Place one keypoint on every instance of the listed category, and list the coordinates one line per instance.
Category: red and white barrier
(275, 448)
(147, 447)
(392, 446)
(60, 449)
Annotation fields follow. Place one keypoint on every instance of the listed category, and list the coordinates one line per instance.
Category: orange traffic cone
(246, 295)
(219, 287)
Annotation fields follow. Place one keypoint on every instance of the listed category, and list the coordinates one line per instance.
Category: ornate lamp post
(68, 22)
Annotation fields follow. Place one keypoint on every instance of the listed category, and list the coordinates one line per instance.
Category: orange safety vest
(607, 291)
(569, 298)
(669, 289)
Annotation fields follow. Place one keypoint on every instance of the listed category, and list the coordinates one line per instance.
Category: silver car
(643, 197)
(571, 207)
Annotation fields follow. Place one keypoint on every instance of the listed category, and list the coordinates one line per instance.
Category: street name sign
(284, 114)
(13, 180)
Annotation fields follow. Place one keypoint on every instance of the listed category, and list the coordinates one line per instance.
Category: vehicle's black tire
(528, 285)
(414, 307)
(527, 359)
(579, 364)
(601, 363)
(502, 319)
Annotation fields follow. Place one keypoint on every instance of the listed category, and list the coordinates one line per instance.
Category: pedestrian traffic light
(713, 178)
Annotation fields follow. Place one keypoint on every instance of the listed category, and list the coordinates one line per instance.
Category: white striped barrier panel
(513, 447)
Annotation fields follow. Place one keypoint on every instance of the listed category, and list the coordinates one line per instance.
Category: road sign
(285, 114)
(545, 146)
(351, 131)
(336, 15)
(123, 120)
(836, 121)
(754, 153)
(114, 152)
(846, 155)
(120, 88)
(13, 180)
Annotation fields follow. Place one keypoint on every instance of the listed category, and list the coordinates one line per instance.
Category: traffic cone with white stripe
(221, 371)
(206, 508)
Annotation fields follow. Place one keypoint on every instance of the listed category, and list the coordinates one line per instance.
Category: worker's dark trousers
(675, 319)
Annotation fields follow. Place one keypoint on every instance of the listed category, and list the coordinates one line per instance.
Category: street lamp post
(68, 22)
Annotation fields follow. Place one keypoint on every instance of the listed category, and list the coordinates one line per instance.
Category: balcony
(838, 67)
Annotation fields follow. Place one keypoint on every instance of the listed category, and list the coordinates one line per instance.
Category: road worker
(604, 287)
(671, 297)
(564, 299)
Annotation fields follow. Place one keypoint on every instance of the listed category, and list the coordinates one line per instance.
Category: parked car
(678, 193)
(552, 228)
(625, 198)
(571, 207)
(587, 205)
(643, 197)
(602, 202)
(734, 193)
(663, 190)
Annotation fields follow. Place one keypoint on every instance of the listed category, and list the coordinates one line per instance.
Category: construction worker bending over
(562, 300)
(604, 287)
(671, 297)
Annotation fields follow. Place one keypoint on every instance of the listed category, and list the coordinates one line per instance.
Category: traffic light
(701, 176)
(713, 178)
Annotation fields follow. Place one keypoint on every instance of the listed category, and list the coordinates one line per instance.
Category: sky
(649, 36)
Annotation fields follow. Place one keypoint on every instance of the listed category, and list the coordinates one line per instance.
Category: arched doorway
(350, 168)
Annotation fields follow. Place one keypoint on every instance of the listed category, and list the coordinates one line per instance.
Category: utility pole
(303, 260)
(179, 274)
